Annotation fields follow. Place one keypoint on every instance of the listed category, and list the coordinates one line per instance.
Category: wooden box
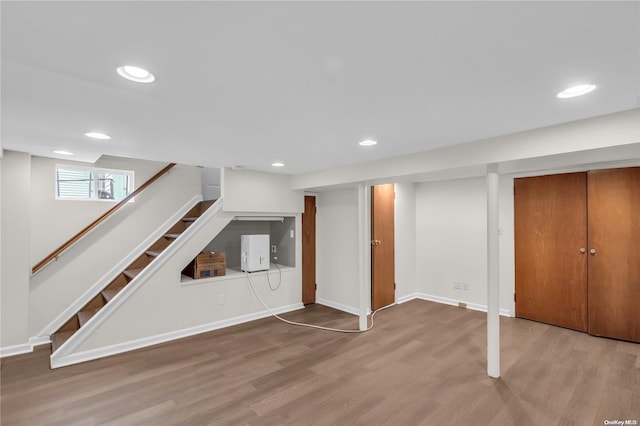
(206, 265)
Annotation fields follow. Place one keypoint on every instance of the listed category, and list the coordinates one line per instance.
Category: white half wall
(14, 234)
(164, 306)
(62, 282)
(260, 192)
(337, 249)
(451, 240)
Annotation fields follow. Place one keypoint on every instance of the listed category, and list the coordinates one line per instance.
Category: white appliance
(254, 252)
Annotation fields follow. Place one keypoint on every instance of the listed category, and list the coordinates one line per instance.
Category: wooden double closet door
(577, 251)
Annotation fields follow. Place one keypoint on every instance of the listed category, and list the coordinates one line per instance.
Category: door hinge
(394, 286)
(514, 297)
(315, 286)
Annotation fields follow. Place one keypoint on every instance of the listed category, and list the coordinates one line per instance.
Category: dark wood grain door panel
(550, 236)
(614, 264)
(382, 248)
(309, 250)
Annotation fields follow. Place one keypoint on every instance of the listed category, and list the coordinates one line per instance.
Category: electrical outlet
(457, 285)
(465, 286)
(274, 249)
(291, 233)
(221, 299)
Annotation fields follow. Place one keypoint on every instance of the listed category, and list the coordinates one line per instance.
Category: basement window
(85, 183)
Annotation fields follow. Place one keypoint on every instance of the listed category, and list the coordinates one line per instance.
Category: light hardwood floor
(422, 364)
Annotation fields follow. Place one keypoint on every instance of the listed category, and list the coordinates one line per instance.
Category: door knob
(583, 250)
(592, 251)
(375, 242)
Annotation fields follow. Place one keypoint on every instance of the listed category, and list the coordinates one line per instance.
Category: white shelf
(230, 275)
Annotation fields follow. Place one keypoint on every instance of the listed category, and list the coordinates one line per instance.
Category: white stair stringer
(202, 231)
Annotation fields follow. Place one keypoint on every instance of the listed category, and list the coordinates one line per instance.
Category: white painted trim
(99, 285)
(16, 350)
(120, 298)
(39, 340)
(24, 348)
(454, 302)
(408, 297)
(339, 306)
(165, 337)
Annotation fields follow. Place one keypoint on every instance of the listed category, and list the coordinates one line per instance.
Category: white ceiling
(302, 82)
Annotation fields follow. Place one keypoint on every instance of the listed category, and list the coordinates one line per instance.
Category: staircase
(125, 277)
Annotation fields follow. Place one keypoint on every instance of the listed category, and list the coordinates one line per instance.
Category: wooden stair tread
(132, 273)
(175, 235)
(58, 339)
(110, 293)
(85, 316)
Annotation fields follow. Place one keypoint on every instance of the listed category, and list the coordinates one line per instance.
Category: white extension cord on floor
(319, 327)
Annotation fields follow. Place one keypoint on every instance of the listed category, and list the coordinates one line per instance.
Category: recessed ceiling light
(277, 164)
(139, 75)
(574, 91)
(63, 152)
(97, 135)
(368, 142)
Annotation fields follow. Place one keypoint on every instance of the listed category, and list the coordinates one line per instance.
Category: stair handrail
(71, 241)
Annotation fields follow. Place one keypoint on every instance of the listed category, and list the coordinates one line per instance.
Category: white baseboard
(16, 350)
(339, 306)
(24, 348)
(454, 302)
(406, 298)
(40, 340)
(412, 296)
(144, 342)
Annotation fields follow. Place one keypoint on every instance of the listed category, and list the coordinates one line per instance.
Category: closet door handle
(592, 251)
(583, 250)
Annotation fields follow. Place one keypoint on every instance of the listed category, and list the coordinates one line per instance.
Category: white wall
(55, 221)
(14, 234)
(337, 249)
(337, 244)
(63, 281)
(210, 183)
(405, 240)
(451, 240)
(251, 191)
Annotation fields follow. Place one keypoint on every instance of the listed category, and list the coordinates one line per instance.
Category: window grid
(74, 183)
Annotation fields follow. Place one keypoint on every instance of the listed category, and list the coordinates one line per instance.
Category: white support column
(493, 288)
(364, 251)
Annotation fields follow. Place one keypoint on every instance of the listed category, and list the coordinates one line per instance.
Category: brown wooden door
(382, 246)
(309, 250)
(550, 231)
(614, 253)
